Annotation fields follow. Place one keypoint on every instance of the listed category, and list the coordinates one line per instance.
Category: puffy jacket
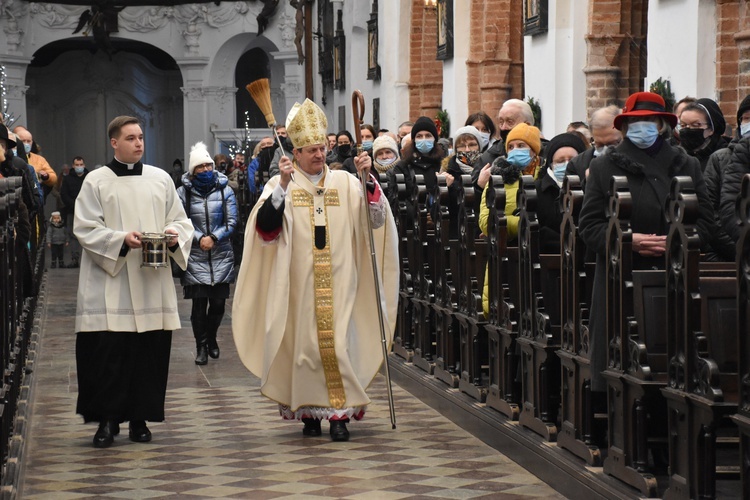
(722, 246)
(737, 167)
(212, 214)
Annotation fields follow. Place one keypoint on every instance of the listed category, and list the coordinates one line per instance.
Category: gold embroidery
(332, 198)
(301, 198)
(323, 280)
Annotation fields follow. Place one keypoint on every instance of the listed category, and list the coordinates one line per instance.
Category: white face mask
(601, 151)
(485, 139)
(745, 129)
(386, 161)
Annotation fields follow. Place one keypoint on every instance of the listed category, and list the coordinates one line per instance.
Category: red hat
(645, 104)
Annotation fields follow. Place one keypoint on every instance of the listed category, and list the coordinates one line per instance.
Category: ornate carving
(192, 38)
(193, 93)
(221, 95)
(14, 34)
(55, 16)
(287, 26)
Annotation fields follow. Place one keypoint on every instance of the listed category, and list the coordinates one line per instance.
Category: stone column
(425, 72)
(495, 65)
(733, 68)
(15, 87)
(292, 89)
(195, 105)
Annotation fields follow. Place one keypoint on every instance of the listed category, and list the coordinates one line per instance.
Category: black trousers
(206, 317)
(58, 250)
(122, 375)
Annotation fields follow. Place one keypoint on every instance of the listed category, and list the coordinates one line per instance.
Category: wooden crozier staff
(358, 110)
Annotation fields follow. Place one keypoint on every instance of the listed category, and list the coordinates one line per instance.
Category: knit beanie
(384, 142)
(716, 117)
(528, 134)
(744, 106)
(469, 130)
(198, 156)
(423, 123)
(562, 141)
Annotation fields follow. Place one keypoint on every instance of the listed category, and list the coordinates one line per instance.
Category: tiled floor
(222, 439)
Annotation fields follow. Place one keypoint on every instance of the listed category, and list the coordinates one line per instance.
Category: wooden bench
(701, 314)
(742, 418)
(578, 417)
(445, 265)
(539, 324)
(502, 328)
(403, 342)
(424, 296)
(472, 259)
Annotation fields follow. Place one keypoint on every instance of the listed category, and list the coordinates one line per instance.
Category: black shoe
(339, 431)
(106, 433)
(201, 358)
(213, 348)
(139, 433)
(312, 427)
(54, 265)
(73, 265)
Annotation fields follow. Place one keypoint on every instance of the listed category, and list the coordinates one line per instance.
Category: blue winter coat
(215, 213)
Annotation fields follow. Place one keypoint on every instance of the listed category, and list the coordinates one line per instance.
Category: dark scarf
(204, 187)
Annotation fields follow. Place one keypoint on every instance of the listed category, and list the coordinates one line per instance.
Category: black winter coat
(548, 213)
(649, 180)
(579, 164)
(722, 245)
(71, 186)
(738, 166)
(412, 164)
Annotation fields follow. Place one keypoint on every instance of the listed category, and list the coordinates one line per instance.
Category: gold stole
(317, 198)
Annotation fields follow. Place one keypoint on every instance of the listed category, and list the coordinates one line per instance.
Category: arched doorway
(75, 91)
(251, 66)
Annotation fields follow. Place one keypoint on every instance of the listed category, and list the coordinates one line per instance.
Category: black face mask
(345, 149)
(287, 143)
(692, 139)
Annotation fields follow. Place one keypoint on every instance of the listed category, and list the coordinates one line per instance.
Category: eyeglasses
(694, 125)
(203, 167)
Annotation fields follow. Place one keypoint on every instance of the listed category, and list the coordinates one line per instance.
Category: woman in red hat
(649, 162)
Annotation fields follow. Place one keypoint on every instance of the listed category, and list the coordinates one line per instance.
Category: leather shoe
(213, 348)
(106, 433)
(312, 427)
(339, 431)
(139, 433)
(201, 358)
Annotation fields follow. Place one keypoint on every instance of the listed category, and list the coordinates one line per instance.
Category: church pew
(472, 258)
(702, 338)
(502, 325)
(577, 433)
(742, 418)
(403, 342)
(424, 296)
(636, 357)
(539, 324)
(445, 272)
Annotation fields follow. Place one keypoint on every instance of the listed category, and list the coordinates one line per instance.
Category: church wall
(553, 67)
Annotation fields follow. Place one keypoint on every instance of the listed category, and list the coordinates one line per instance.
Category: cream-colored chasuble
(304, 315)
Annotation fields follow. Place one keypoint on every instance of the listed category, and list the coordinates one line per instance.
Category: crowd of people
(311, 342)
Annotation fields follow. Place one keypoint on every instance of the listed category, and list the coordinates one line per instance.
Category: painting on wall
(534, 17)
(445, 30)
(373, 68)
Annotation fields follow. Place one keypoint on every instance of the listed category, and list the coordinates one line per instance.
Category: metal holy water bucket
(154, 247)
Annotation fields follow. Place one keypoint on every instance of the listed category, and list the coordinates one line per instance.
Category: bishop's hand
(363, 163)
(286, 169)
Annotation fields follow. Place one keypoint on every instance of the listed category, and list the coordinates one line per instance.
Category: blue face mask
(424, 146)
(643, 134)
(79, 170)
(205, 177)
(27, 148)
(519, 157)
(385, 161)
(367, 145)
(745, 129)
(559, 170)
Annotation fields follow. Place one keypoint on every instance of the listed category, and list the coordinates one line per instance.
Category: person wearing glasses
(700, 127)
(210, 204)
